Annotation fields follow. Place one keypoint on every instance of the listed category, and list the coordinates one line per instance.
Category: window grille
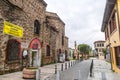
(13, 50)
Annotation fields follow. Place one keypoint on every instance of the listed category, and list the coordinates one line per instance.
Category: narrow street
(73, 73)
(59, 40)
(69, 74)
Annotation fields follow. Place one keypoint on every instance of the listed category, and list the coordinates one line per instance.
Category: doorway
(34, 58)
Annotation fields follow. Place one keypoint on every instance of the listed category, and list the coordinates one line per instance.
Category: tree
(104, 52)
(84, 49)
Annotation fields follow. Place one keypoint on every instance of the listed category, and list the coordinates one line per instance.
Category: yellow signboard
(12, 29)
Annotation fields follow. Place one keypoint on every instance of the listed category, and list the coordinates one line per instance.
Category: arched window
(36, 27)
(48, 50)
(13, 50)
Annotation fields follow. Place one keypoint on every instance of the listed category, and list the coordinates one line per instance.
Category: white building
(99, 46)
(70, 53)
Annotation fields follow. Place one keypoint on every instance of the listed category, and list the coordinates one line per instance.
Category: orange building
(111, 27)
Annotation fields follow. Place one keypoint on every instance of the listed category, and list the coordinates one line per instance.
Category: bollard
(65, 65)
(58, 75)
(55, 69)
(61, 67)
(38, 74)
(91, 67)
(69, 64)
(79, 75)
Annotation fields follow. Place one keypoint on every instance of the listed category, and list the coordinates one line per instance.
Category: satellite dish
(25, 53)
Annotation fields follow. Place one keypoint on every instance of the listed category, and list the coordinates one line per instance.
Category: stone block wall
(66, 43)
(23, 13)
(59, 25)
(23, 16)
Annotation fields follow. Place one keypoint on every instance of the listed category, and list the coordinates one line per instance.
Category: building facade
(30, 15)
(61, 41)
(41, 38)
(111, 27)
(99, 47)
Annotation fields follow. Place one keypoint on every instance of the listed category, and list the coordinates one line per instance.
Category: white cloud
(83, 19)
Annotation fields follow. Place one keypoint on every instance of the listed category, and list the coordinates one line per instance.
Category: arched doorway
(35, 52)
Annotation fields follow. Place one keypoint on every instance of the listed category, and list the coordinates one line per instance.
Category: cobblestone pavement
(102, 71)
(46, 71)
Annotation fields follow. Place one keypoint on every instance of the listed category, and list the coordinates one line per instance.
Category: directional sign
(12, 29)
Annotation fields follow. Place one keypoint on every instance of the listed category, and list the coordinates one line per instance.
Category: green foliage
(104, 51)
(48, 63)
(84, 48)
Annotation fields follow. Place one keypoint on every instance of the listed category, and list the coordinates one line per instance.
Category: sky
(82, 18)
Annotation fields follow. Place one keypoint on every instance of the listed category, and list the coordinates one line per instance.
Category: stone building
(49, 45)
(30, 15)
(66, 48)
(60, 42)
(43, 35)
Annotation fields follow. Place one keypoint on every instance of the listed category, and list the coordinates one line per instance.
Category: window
(117, 54)
(106, 33)
(36, 27)
(97, 45)
(59, 51)
(99, 50)
(62, 39)
(112, 23)
(13, 50)
(96, 50)
(102, 44)
(48, 50)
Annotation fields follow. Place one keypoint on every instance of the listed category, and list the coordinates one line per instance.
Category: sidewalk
(102, 71)
(46, 71)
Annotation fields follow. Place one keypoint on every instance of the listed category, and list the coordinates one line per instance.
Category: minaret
(75, 45)
(75, 51)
